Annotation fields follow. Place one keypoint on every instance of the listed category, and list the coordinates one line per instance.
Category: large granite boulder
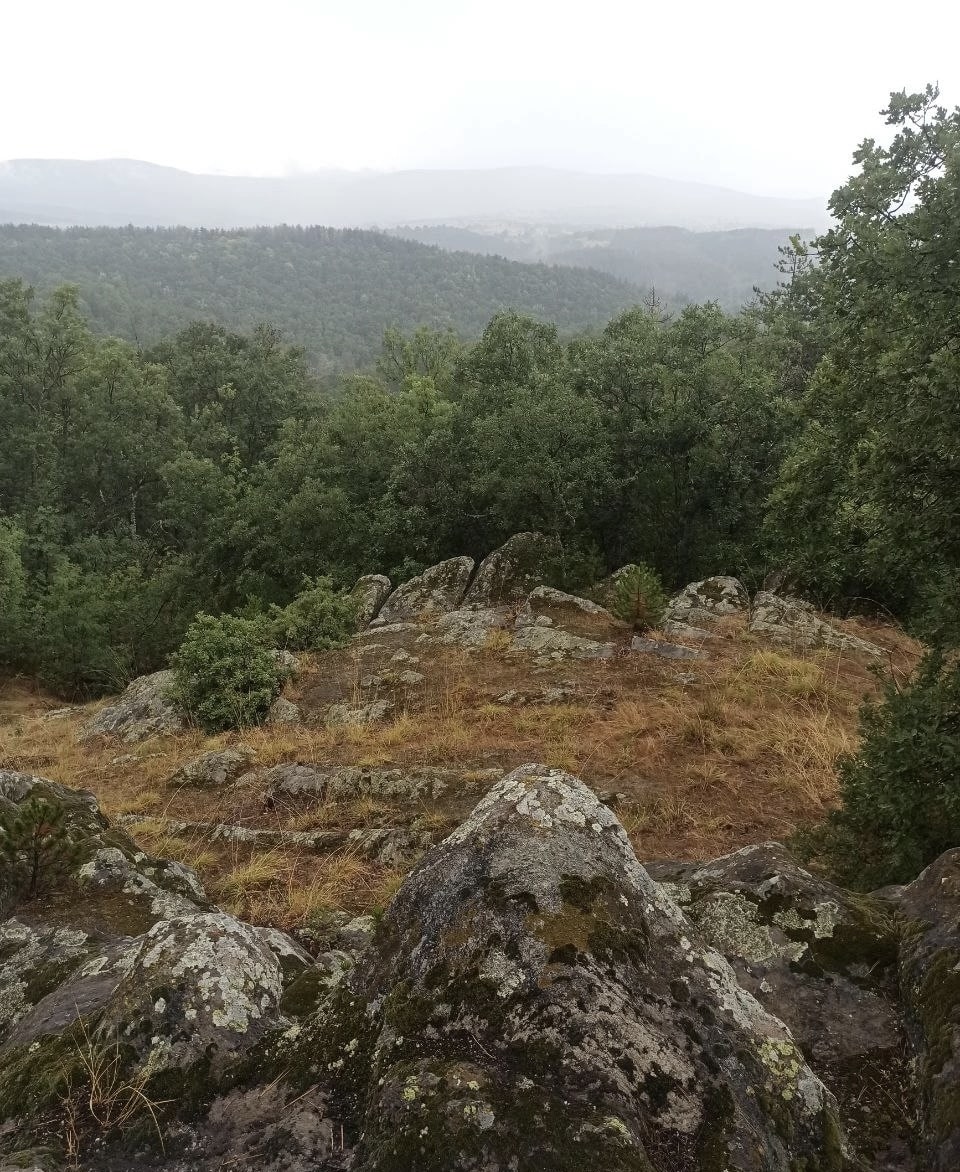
(439, 588)
(370, 593)
(144, 709)
(508, 574)
(533, 999)
(792, 621)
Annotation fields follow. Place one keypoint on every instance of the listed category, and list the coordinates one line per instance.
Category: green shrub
(638, 597)
(36, 844)
(225, 675)
(901, 792)
(318, 619)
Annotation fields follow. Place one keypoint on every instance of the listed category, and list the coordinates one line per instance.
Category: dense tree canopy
(818, 432)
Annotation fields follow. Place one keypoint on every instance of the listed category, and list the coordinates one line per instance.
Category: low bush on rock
(639, 597)
(225, 674)
(320, 618)
(901, 792)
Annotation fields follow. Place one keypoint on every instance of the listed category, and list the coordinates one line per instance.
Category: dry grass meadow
(743, 752)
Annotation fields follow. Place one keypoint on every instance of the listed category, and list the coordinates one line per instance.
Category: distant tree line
(332, 291)
(816, 432)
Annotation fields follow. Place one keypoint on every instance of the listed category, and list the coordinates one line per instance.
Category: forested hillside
(816, 434)
(333, 292)
(683, 266)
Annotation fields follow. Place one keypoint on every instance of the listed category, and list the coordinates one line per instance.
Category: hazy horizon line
(296, 172)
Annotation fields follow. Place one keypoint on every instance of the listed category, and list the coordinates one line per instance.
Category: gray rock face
(347, 783)
(469, 628)
(437, 589)
(370, 592)
(283, 711)
(143, 710)
(561, 608)
(509, 573)
(552, 643)
(131, 945)
(823, 961)
(789, 620)
(930, 983)
(343, 715)
(533, 999)
(557, 625)
(197, 987)
(701, 603)
(213, 769)
(665, 650)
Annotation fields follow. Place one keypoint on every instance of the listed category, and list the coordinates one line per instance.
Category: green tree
(866, 502)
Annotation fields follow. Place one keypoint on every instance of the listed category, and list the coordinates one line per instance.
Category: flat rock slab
(665, 650)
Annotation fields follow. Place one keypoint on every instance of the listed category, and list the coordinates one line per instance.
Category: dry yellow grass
(743, 753)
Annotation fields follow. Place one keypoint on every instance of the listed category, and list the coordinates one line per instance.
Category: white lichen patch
(729, 922)
(825, 920)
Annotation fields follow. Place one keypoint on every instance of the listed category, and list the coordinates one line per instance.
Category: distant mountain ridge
(118, 192)
(679, 264)
(331, 290)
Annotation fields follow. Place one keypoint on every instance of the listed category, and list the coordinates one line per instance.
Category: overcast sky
(768, 97)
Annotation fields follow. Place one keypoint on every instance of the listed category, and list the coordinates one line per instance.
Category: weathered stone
(560, 607)
(437, 589)
(509, 573)
(708, 600)
(285, 660)
(533, 999)
(203, 987)
(145, 709)
(469, 628)
(930, 985)
(790, 620)
(559, 644)
(370, 592)
(349, 783)
(665, 650)
(345, 716)
(822, 960)
(213, 769)
(283, 711)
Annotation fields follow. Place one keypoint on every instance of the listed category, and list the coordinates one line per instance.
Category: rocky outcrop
(111, 952)
(822, 960)
(507, 575)
(439, 588)
(790, 620)
(213, 769)
(145, 709)
(930, 983)
(700, 604)
(533, 999)
(370, 593)
(349, 783)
